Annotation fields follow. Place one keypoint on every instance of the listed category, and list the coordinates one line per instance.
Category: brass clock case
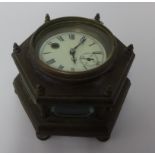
(87, 103)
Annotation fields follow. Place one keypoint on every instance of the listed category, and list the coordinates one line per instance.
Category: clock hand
(72, 53)
(73, 50)
(82, 40)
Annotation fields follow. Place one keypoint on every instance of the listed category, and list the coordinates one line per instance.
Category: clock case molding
(97, 100)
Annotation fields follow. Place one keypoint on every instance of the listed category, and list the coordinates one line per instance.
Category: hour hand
(74, 59)
(72, 53)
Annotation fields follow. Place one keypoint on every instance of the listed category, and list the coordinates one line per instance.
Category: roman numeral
(60, 38)
(46, 53)
(92, 44)
(85, 67)
(97, 52)
(71, 36)
(61, 67)
(49, 43)
(51, 61)
(73, 69)
(98, 63)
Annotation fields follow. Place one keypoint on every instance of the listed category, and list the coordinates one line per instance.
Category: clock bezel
(64, 75)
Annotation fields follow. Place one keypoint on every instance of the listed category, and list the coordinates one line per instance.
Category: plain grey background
(131, 23)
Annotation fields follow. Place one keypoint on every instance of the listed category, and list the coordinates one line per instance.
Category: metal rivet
(16, 48)
(97, 17)
(130, 47)
(47, 18)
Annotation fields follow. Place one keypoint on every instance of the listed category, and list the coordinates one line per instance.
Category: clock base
(101, 128)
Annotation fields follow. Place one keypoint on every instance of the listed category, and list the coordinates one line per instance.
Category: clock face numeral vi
(60, 67)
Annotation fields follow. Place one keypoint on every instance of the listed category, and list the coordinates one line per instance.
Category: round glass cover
(72, 52)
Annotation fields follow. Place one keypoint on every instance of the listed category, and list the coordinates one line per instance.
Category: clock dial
(72, 52)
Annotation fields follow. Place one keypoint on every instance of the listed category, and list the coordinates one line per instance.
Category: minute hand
(73, 50)
(82, 40)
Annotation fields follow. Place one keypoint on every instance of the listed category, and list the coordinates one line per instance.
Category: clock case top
(101, 90)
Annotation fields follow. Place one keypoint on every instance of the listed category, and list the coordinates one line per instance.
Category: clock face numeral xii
(71, 36)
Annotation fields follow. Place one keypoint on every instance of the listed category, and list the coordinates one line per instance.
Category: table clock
(72, 77)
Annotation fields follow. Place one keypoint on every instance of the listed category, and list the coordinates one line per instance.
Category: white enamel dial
(72, 52)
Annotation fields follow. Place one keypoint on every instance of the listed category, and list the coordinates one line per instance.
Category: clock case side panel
(28, 79)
